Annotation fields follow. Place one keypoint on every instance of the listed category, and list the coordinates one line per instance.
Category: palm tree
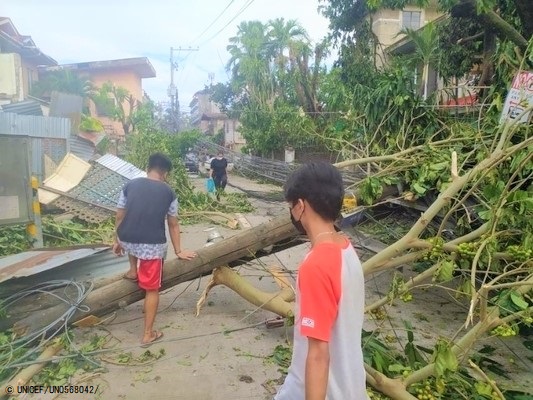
(426, 42)
(249, 62)
(285, 36)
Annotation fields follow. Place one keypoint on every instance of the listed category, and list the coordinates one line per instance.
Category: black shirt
(218, 166)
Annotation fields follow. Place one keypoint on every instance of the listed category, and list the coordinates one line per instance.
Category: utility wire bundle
(32, 343)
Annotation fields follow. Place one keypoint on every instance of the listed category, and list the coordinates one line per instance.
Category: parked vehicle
(191, 162)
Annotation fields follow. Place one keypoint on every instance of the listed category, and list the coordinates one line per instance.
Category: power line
(243, 8)
(214, 21)
(223, 66)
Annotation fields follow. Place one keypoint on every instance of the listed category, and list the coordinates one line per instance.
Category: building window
(411, 19)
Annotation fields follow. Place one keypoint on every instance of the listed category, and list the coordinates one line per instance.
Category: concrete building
(388, 24)
(127, 73)
(208, 119)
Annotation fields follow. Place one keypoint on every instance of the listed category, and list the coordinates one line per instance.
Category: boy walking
(142, 208)
(327, 360)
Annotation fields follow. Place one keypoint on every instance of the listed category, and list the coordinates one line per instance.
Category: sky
(72, 31)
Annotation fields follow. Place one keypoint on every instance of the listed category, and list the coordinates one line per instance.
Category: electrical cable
(36, 340)
(214, 21)
(243, 8)
(188, 337)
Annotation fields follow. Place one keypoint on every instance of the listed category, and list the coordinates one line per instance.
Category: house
(22, 115)
(388, 24)
(208, 119)
(20, 59)
(127, 73)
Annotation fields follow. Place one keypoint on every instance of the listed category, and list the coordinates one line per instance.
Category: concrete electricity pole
(173, 90)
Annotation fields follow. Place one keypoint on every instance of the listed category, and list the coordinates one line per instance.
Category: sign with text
(519, 98)
(15, 191)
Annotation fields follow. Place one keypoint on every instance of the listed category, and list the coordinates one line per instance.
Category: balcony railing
(462, 97)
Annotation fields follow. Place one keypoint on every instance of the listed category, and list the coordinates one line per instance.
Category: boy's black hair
(160, 162)
(320, 183)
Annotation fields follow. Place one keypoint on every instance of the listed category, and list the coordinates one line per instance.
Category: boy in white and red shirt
(327, 361)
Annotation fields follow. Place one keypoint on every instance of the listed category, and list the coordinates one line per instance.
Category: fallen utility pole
(243, 246)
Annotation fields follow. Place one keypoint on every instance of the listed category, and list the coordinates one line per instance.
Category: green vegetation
(380, 117)
(56, 234)
(474, 174)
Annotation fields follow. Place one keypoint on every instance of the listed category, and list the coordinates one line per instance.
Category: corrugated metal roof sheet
(28, 107)
(34, 262)
(82, 148)
(120, 166)
(34, 126)
(94, 196)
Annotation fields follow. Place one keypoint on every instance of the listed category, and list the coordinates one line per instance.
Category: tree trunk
(487, 66)
(524, 9)
(467, 9)
(232, 251)
(504, 29)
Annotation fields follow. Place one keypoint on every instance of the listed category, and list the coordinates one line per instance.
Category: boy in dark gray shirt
(143, 206)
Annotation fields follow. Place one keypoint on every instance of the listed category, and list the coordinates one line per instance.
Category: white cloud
(72, 31)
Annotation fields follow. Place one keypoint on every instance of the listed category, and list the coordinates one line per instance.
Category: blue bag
(210, 185)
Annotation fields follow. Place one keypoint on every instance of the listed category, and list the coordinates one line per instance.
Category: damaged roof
(88, 190)
(34, 262)
(11, 41)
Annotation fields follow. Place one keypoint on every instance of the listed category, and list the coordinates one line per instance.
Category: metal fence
(49, 136)
(270, 170)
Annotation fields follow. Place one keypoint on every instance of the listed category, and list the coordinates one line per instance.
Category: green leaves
(518, 300)
(370, 189)
(444, 358)
(484, 6)
(281, 356)
(414, 357)
(445, 271)
(510, 301)
(376, 353)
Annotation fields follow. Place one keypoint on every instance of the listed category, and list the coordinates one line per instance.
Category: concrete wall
(212, 126)
(126, 79)
(11, 78)
(202, 104)
(17, 76)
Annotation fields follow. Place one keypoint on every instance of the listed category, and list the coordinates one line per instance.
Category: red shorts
(149, 273)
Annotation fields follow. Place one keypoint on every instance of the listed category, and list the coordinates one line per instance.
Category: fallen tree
(490, 256)
(235, 250)
(490, 251)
